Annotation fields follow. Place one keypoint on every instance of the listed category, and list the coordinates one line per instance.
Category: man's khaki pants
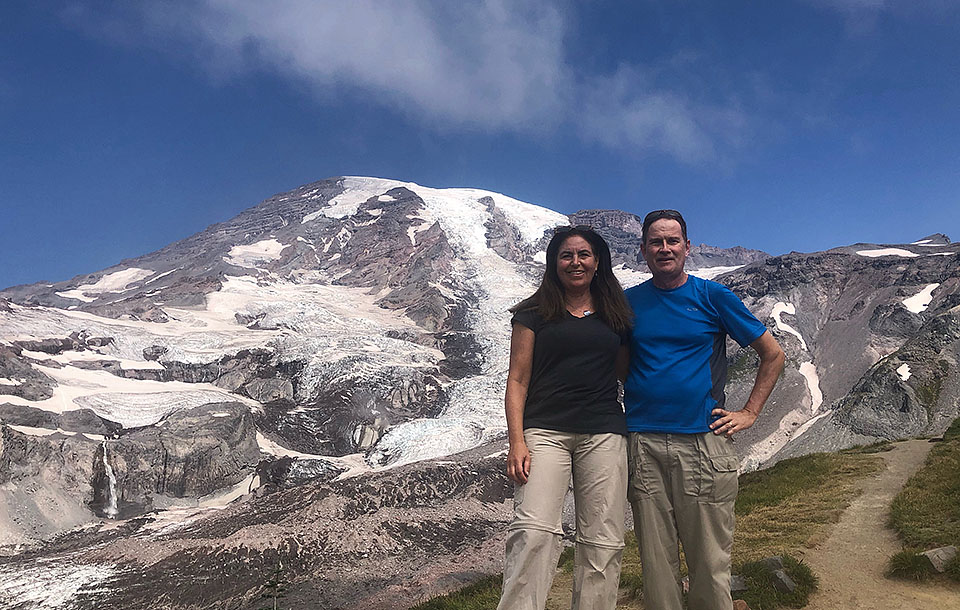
(598, 463)
(684, 486)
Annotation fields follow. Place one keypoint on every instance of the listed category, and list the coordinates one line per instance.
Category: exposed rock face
(81, 420)
(191, 454)
(46, 483)
(861, 318)
(915, 391)
(20, 377)
(384, 541)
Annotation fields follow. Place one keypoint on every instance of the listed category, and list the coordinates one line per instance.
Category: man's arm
(771, 365)
(518, 380)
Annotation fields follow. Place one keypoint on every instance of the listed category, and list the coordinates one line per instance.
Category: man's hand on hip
(729, 422)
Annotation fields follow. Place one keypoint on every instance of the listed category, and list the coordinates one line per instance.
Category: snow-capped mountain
(338, 335)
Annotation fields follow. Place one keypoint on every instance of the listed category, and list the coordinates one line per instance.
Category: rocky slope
(869, 335)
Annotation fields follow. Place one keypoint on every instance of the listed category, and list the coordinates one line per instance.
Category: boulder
(940, 557)
(782, 582)
(268, 390)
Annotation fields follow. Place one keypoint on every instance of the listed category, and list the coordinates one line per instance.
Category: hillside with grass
(926, 512)
(783, 511)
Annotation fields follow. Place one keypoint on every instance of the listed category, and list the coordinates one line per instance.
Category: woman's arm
(518, 380)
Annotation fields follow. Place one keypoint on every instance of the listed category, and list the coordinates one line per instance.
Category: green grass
(761, 592)
(790, 506)
(481, 595)
(566, 560)
(926, 512)
(908, 564)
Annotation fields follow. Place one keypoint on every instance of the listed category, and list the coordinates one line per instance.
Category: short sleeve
(742, 326)
(528, 318)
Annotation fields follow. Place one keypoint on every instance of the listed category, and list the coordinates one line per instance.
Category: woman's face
(576, 263)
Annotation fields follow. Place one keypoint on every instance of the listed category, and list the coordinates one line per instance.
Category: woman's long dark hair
(607, 293)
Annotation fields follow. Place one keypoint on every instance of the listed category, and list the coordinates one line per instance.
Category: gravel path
(851, 562)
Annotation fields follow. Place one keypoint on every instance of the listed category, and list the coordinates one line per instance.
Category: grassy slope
(779, 511)
(926, 512)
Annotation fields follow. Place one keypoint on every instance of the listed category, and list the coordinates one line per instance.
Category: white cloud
(622, 111)
(495, 65)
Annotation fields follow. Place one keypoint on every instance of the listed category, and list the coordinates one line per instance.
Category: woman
(563, 418)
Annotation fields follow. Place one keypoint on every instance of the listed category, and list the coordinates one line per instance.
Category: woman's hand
(518, 463)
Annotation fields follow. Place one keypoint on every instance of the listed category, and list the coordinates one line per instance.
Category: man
(682, 463)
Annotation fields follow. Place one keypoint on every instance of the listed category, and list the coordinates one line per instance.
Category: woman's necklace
(581, 310)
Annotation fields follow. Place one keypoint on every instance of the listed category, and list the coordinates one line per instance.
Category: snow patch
(31, 431)
(904, 372)
(252, 255)
(920, 301)
(386, 198)
(708, 273)
(780, 308)
(887, 252)
(268, 446)
(356, 190)
(112, 282)
(629, 277)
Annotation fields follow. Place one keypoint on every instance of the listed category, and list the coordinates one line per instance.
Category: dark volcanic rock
(286, 472)
(30, 383)
(192, 453)
(81, 420)
(885, 406)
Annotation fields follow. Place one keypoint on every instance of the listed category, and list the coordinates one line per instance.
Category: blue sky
(789, 125)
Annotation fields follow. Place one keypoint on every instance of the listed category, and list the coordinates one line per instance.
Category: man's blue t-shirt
(678, 360)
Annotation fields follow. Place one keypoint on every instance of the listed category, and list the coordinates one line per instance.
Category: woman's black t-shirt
(573, 384)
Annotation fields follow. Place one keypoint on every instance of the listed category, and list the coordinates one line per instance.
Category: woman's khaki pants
(598, 464)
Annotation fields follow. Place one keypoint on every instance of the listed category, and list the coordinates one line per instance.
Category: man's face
(665, 249)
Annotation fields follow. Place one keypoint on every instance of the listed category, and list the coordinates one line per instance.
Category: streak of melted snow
(792, 425)
(780, 308)
(809, 372)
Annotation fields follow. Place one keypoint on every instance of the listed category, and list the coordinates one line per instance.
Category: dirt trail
(850, 564)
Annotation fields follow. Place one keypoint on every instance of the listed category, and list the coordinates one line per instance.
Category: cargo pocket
(725, 484)
(718, 469)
